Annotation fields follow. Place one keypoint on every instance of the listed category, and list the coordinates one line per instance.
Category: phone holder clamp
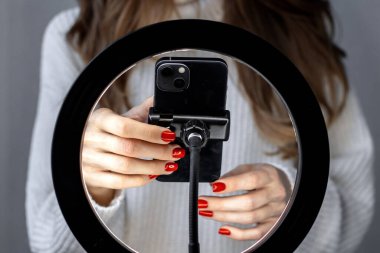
(210, 127)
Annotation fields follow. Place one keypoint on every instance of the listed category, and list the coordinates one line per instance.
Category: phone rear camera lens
(179, 83)
(167, 71)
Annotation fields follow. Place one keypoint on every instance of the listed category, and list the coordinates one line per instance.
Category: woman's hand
(266, 193)
(114, 149)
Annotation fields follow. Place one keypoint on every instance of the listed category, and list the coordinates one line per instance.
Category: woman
(117, 135)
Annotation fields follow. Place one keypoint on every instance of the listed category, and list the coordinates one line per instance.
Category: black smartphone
(195, 87)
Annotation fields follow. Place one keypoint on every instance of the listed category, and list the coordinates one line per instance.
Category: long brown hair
(302, 30)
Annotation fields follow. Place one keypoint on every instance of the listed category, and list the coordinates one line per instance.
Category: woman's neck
(201, 9)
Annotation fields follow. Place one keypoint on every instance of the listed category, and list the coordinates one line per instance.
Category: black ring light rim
(202, 35)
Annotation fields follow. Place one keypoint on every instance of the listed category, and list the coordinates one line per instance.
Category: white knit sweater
(154, 218)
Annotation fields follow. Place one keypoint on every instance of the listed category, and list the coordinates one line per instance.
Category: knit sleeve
(60, 66)
(348, 206)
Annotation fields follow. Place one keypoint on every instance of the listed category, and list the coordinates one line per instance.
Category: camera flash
(181, 70)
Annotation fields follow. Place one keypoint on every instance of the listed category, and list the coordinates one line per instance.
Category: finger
(247, 180)
(110, 122)
(255, 233)
(111, 180)
(248, 217)
(132, 147)
(238, 170)
(141, 149)
(244, 202)
(126, 165)
(271, 220)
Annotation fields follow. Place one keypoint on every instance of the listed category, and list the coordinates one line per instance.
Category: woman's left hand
(267, 190)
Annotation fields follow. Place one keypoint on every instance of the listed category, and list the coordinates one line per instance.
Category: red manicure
(224, 231)
(218, 187)
(152, 176)
(202, 203)
(171, 167)
(206, 213)
(168, 136)
(178, 153)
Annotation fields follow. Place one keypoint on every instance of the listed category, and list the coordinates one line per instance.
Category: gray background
(21, 28)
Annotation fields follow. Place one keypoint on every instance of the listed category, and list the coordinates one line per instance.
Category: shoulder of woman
(350, 130)
(54, 38)
(60, 63)
(62, 22)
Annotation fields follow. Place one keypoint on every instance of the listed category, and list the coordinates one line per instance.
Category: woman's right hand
(114, 149)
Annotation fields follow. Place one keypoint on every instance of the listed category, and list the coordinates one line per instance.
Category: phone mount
(218, 127)
(194, 131)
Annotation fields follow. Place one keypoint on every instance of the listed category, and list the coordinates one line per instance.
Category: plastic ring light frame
(201, 35)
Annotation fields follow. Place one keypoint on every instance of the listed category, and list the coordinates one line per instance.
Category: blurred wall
(22, 24)
(21, 27)
(358, 32)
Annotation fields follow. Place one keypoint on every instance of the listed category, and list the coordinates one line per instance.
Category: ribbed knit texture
(154, 218)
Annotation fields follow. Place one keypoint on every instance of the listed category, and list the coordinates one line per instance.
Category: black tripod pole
(195, 135)
(195, 131)
(195, 142)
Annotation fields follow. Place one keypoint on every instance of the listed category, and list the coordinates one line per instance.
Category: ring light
(246, 47)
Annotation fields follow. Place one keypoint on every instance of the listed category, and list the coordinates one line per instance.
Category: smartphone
(195, 87)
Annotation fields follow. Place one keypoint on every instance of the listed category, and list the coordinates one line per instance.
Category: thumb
(141, 111)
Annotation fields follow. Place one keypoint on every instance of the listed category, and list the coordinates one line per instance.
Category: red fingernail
(171, 167)
(224, 231)
(206, 213)
(218, 187)
(168, 136)
(178, 153)
(202, 203)
(152, 176)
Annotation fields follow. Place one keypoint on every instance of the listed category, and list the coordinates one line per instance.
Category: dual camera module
(173, 77)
